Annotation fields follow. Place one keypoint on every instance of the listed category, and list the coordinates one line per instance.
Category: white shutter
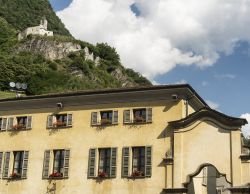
(125, 161)
(66, 163)
(112, 173)
(92, 163)
(148, 161)
(50, 121)
(46, 162)
(94, 118)
(4, 124)
(1, 161)
(69, 120)
(10, 123)
(126, 116)
(149, 115)
(29, 122)
(25, 164)
(115, 117)
(6, 165)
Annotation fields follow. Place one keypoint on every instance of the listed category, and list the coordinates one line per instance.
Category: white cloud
(212, 104)
(246, 128)
(227, 76)
(204, 83)
(167, 33)
(181, 82)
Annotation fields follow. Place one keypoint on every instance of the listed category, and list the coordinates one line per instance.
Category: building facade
(151, 140)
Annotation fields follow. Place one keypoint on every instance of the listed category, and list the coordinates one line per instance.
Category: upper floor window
(103, 118)
(140, 158)
(3, 124)
(105, 160)
(59, 120)
(137, 116)
(56, 163)
(16, 123)
(15, 164)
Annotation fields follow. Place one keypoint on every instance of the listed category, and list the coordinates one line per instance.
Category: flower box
(59, 124)
(137, 173)
(106, 122)
(56, 175)
(15, 176)
(102, 175)
(18, 127)
(139, 119)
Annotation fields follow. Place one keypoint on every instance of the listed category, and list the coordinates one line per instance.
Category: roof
(208, 112)
(110, 91)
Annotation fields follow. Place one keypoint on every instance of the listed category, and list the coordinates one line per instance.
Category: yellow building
(149, 140)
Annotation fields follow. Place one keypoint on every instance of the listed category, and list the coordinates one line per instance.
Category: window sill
(105, 125)
(59, 127)
(137, 123)
(245, 157)
(14, 179)
(136, 177)
(55, 178)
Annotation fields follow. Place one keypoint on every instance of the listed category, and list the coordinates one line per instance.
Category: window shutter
(94, 120)
(115, 117)
(148, 161)
(69, 120)
(125, 162)
(4, 124)
(113, 162)
(92, 161)
(6, 165)
(126, 116)
(25, 164)
(50, 121)
(10, 123)
(1, 161)
(29, 122)
(149, 115)
(66, 163)
(46, 164)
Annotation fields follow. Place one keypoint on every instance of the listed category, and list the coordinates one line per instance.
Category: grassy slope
(4, 95)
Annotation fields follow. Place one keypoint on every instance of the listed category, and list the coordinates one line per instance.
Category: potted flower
(59, 124)
(139, 119)
(56, 175)
(105, 121)
(15, 175)
(18, 126)
(102, 174)
(137, 173)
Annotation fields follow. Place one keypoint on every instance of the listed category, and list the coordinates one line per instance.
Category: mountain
(59, 63)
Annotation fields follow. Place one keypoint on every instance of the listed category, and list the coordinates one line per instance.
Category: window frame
(106, 163)
(60, 160)
(141, 163)
(109, 119)
(19, 162)
(141, 116)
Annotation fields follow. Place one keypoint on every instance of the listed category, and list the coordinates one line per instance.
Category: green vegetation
(25, 13)
(45, 76)
(7, 95)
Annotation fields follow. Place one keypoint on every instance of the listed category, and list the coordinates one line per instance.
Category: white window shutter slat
(6, 165)
(149, 115)
(69, 120)
(125, 161)
(29, 122)
(113, 157)
(10, 123)
(25, 164)
(126, 116)
(92, 163)
(94, 118)
(66, 163)
(50, 121)
(148, 161)
(46, 162)
(115, 117)
(4, 124)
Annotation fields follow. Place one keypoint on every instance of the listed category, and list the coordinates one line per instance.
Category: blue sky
(226, 83)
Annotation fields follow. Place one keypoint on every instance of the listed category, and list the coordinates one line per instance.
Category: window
(106, 117)
(109, 117)
(138, 161)
(59, 120)
(56, 163)
(20, 123)
(204, 176)
(15, 164)
(106, 158)
(137, 116)
(104, 162)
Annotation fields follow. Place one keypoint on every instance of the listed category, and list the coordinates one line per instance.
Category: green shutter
(29, 122)
(148, 161)
(125, 162)
(113, 162)
(94, 120)
(1, 161)
(6, 165)
(126, 116)
(4, 124)
(50, 121)
(25, 164)
(10, 123)
(149, 115)
(66, 163)
(91, 165)
(115, 117)
(69, 120)
(46, 164)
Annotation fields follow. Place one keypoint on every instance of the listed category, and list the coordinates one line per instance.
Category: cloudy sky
(203, 43)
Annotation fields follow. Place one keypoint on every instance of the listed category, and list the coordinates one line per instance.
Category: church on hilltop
(36, 30)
